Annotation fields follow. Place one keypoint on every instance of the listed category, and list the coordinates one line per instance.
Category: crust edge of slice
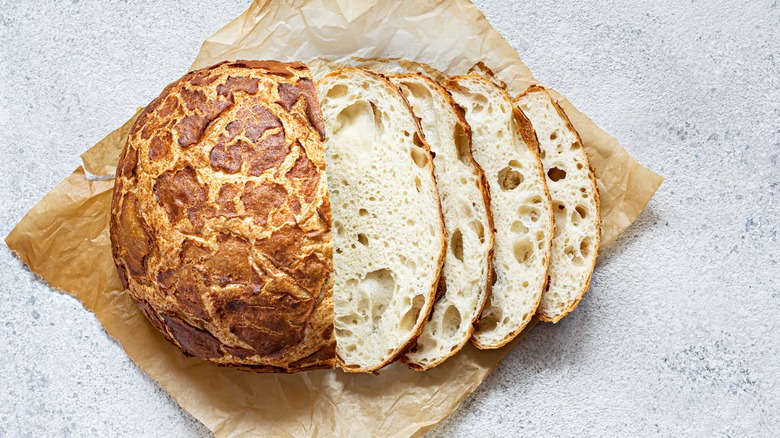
(597, 200)
(528, 135)
(485, 192)
(425, 312)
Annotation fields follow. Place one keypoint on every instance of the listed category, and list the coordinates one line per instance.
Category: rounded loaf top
(220, 221)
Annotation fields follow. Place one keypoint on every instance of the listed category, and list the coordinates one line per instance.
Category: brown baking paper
(65, 239)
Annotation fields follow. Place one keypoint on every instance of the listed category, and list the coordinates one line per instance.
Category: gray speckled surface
(680, 333)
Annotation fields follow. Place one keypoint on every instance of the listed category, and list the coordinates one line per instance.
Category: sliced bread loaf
(465, 282)
(575, 200)
(388, 232)
(505, 146)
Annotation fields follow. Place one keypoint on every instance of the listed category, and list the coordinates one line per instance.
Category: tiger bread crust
(220, 220)
(388, 234)
(575, 197)
(465, 199)
(505, 146)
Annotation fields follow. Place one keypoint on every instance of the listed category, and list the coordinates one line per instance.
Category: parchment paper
(65, 239)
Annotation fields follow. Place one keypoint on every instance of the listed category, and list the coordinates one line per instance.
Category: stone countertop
(680, 332)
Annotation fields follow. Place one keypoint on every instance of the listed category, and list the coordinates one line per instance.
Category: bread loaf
(388, 231)
(505, 146)
(220, 221)
(575, 200)
(465, 282)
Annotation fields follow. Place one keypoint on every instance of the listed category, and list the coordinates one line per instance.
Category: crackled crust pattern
(220, 221)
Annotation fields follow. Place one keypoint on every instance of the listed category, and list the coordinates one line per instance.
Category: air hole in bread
(585, 247)
(500, 133)
(576, 219)
(341, 332)
(418, 140)
(413, 314)
(580, 166)
(509, 178)
(478, 228)
(525, 211)
(350, 318)
(456, 244)
(363, 239)
(570, 252)
(536, 200)
(525, 284)
(518, 227)
(554, 135)
(555, 174)
(407, 134)
(523, 251)
(493, 277)
(379, 119)
(419, 91)
(365, 85)
(490, 321)
(559, 210)
(543, 154)
(337, 92)
(338, 228)
(418, 155)
(462, 144)
(417, 183)
(363, 212)
(581, 211)
(357, 123)
(380, 286)
(575, 145)
(451, 321)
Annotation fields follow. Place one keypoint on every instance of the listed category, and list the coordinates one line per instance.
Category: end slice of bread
(505, 146)
(465, 200)
(388, 232)
(575, 200)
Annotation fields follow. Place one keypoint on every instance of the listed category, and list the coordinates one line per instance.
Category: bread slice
(388, 232)
(504, 144)
(575, 200)
(465, 282)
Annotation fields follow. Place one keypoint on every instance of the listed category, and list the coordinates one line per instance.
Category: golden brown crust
(220, 221)
(484, 190)
(480, 68)
(592, 176)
